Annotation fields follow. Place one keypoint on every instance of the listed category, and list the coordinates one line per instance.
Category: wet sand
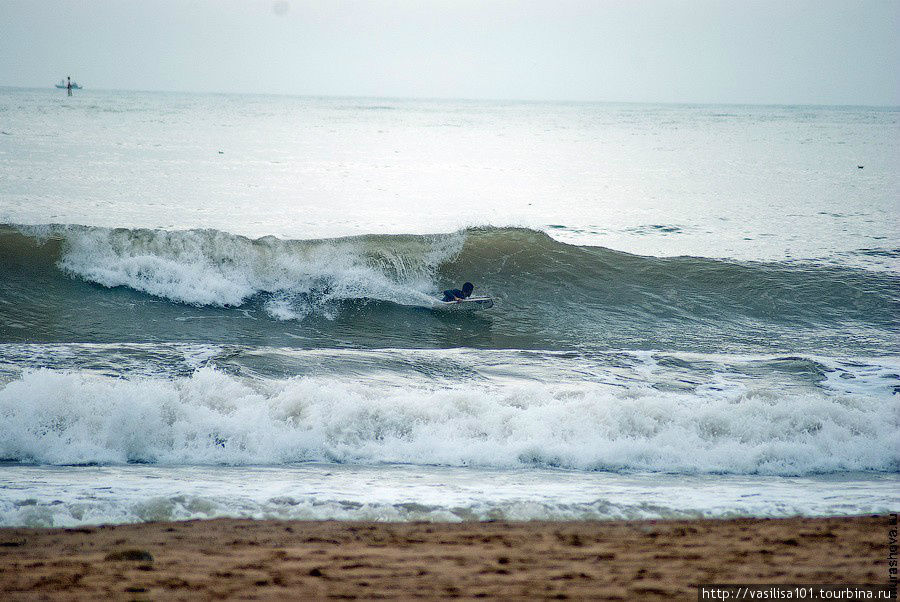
(627, 560)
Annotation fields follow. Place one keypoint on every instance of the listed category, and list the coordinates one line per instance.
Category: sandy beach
(627, 560)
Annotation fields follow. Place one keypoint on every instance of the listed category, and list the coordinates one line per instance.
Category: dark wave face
(85, 284)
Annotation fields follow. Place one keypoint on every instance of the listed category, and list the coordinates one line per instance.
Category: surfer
(454, 294)
(69, 85)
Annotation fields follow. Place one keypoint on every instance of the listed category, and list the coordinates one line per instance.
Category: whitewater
(221, 305)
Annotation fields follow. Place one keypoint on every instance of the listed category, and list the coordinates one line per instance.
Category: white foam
(78, 495)
(208, 267)
(211, 418)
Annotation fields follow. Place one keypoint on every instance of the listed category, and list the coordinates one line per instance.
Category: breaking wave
(71, 417)
(549, 294)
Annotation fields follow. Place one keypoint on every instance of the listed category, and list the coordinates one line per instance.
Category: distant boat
(62, 85)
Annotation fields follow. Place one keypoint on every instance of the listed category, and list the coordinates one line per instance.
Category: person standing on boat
(69, 85)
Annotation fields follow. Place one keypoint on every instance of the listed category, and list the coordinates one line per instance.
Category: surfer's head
(467, 288)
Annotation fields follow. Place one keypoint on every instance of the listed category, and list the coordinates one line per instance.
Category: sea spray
(208, 267)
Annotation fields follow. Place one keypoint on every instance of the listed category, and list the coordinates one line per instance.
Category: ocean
(222, 305)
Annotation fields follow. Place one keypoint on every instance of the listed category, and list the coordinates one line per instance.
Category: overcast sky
(784, 51)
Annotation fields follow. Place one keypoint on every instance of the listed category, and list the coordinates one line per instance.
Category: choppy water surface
(696, 309)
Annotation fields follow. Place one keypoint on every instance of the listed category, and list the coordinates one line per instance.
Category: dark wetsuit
(453, 294)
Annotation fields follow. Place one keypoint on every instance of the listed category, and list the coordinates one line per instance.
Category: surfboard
(470, 304)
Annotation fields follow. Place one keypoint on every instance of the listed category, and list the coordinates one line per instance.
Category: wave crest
(550, 295)
(213, 268)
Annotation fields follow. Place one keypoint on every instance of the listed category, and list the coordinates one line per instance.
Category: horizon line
(468, 99)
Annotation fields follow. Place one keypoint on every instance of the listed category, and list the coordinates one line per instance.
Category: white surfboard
(470, 304)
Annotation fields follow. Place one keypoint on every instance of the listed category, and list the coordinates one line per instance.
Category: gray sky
(784, 51)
